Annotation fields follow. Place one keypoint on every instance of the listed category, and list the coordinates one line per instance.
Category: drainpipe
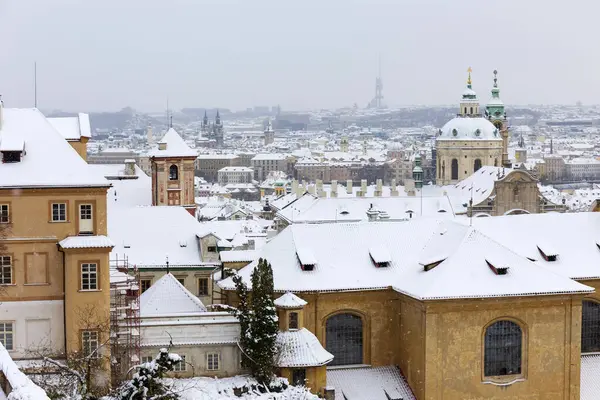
(64, 296)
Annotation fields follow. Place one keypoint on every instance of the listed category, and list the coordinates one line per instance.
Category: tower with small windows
(301, 359)
(269, 134)
(496, 114)
(344, 144)
(172, 165)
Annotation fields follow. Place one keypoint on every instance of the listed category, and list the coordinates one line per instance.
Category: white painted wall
(36, 324)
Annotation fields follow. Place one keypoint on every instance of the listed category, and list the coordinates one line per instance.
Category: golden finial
(469, 79)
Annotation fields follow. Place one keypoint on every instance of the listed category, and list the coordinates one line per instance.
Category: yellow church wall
(551, 349)
(316, 377)
(411, 351)
(379, 312)
(595, 283)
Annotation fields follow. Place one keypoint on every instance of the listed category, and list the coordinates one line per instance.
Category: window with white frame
(147, 359)
(7, 335)
(59, 212)
(90, 343)
(202, 286)
(5, 270)
(181, 365)
(212, 361)
(4, 214)
(89, 276)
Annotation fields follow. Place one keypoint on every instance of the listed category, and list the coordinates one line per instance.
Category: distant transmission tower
(377, 101)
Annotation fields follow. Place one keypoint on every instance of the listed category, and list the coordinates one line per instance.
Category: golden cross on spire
(469, 79)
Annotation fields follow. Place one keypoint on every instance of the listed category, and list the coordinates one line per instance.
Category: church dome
(461, 128)
(469, 93)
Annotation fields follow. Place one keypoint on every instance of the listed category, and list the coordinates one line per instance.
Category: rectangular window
(4, 214)
(212, 249)
(293, 320)
(202, 286)
(212, 361)
(59, 212)
(145, 284)
(7, 335)
(89, 343)
(5, 270)
(147, 359)
(89, 276)
(299, 377)
(181, 279)
(181, 366)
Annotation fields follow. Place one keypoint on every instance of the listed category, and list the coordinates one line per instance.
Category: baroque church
(213, 131)
(472, 140)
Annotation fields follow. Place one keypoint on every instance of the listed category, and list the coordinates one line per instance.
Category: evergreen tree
(147, 381)
(258, 322)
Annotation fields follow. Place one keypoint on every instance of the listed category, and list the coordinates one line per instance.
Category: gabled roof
(176, 147)
(72, 128)
(300, 348)
(345, 263)
(378, 383)
(48, 160)
(167, 297)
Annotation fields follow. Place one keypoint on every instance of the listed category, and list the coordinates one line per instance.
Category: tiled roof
(86, 242)
(300, 348)
(367, 383)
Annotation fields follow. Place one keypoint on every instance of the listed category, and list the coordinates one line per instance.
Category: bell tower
(496, 114)
(469, 104)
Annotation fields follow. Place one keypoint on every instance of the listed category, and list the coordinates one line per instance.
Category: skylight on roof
(547, 251)
(498, 269)
(306, 257)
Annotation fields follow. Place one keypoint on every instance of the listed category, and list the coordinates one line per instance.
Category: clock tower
(496, 114)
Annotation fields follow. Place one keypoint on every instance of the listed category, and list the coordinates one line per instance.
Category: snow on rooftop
(380, 254)
(369, 383)
(48, 161)
(12, 144)
(300, 348)
(86, 242)
(306, 256)
(72, 128)
(238, 255)
(345, 263)
(167, 297)
(290, 301)
(175, 146)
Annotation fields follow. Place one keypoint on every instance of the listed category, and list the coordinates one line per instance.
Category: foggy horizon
(106, 55)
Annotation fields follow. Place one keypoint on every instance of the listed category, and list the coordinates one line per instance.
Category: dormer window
(547, 252)
(430, 264)
(12, 149)
(306, 258)
(11, 156)
(380, 256)
(498, 269)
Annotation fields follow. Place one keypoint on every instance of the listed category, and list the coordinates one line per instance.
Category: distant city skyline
(106, 55)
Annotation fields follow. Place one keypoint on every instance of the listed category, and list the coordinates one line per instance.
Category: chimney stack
(311, 189)
(394, 189)
(379, 188)
(349, 186)
(333, 192)
(130, 167)
(363, 188)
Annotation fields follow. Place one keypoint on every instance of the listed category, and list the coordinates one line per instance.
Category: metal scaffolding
(124, 318)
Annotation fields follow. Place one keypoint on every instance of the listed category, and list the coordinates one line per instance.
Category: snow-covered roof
(290, 301)
(341, 259)
(380, 254)
(269, 156)
(175, 146)
(48, 160)
(72, 128)
(590, 377)
(167, 297)
(12, 144)
(369, 383)
(466, 128)
(238, 256)
(300, 348)
(86, 242)
(570, 236)
(22, 387)
(148, 235)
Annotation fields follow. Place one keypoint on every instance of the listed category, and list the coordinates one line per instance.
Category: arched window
(503, 349)
(344, 339)
(477, 165)
(590, 326)
(454, 169)
(173, 173)
(471, 110)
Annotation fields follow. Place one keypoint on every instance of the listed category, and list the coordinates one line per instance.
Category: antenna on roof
(167, 264)
(471, 206)
(171, 121)
(35, 84)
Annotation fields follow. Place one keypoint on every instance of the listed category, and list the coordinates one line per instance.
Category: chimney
(363, 188)
(333, 192)
(294, 186)
(394, 189)
(130, 167)
(320, 191)
(311, 189)
(372, 213)
(349, 186)
(379, 188)
(162, 145)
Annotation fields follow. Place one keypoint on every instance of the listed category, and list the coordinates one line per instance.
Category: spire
(218, 118)
(469, 70)
(495, 90)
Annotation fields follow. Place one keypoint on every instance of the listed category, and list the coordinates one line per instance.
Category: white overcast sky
(97, 55)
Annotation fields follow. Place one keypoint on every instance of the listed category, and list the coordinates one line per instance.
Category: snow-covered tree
(147, 382)
(258, 322)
